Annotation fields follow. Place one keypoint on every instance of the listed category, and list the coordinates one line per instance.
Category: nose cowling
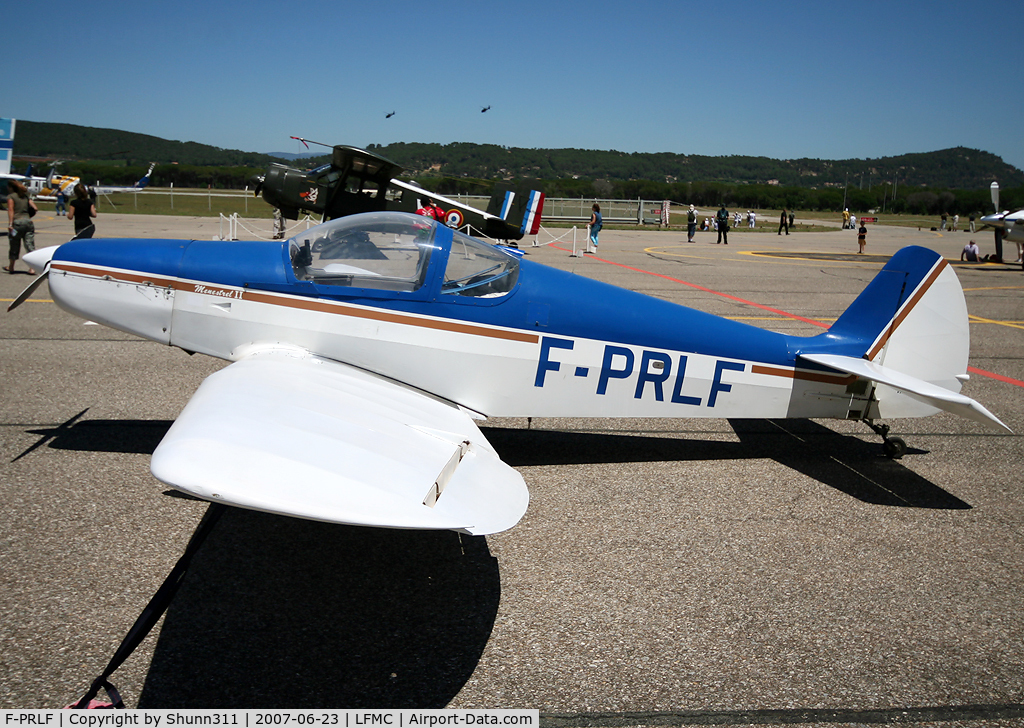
(126, 284)
(995, 219)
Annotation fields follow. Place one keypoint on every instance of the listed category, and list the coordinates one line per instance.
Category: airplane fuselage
(537, 350)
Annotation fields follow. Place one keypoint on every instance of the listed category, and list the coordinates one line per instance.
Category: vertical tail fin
(908, 332)
(145, 178)
(521, 207)
(913, 317)
(534, 212)
(6, 144)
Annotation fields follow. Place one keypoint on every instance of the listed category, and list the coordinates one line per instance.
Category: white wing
(295, 434)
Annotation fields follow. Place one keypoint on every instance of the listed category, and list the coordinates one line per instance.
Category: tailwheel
(894, 448)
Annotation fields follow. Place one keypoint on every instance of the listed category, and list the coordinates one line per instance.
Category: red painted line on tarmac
(972, 370)
(997, 377)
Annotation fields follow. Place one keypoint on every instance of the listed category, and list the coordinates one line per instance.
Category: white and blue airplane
(1007, 225)
(141, 184)
(364, 349)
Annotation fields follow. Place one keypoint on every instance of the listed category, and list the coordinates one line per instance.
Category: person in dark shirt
(722, 218)
(82, 210)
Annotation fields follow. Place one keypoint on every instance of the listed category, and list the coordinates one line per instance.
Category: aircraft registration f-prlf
(363, 350)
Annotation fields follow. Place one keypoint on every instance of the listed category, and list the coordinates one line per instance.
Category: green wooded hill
(958, 168)
(72, 142)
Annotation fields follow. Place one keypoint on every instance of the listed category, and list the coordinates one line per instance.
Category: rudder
(908, 332)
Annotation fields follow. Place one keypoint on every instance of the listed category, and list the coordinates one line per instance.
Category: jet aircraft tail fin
(144, 182)
(908, 333)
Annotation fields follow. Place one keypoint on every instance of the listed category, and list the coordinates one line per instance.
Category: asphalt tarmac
(667, 572)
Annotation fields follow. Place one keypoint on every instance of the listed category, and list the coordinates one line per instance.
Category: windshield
(388, 251)
(478, 269)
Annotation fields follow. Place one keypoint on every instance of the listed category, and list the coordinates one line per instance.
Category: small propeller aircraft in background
(360, 181)
(364, 348)
(1008, 225)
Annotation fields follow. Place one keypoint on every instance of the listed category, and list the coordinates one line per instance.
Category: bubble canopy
(389, 251)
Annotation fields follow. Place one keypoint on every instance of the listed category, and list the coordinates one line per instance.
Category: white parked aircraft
(144, 182)
(1008, 225)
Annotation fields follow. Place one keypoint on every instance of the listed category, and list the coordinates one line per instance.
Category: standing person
(753, 219)
(846, 218)
(278, 224)
(736, 219)
(784, 221)
(853, 222)
(430, 210)
(722, 217)
(691, 224)
(943, 225)
(956, 220)
(971, 221)
(792, 217)
(82, 210)
(20, 228)
(595, 227)
(862, 237)
(62, 202)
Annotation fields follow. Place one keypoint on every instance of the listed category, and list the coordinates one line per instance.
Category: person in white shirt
(971, 253)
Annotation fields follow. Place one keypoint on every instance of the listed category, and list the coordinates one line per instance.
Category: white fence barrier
(572, 231)
(234, 221)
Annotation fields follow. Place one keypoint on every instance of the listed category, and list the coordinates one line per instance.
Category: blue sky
(785, 79)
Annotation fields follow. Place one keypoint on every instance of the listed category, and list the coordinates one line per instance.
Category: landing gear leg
(893, 447)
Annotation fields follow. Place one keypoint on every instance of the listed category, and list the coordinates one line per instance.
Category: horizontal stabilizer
(909, 386)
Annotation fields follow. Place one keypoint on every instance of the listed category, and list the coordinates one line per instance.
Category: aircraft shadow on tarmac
(846, 463)
(843, 462)
(277, 612)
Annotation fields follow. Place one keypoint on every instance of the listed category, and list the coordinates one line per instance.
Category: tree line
(907, 200)
(957, 168)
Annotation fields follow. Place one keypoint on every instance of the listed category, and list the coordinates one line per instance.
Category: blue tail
(908, 333)
(869, 317)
